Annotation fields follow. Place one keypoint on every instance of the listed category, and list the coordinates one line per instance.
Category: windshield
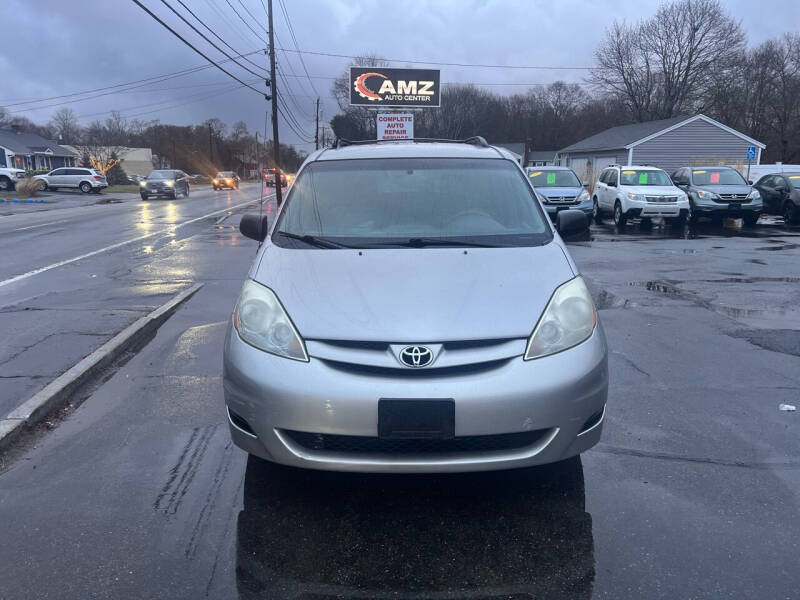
(553, 178)
(794, 181)
(224, 174)
(717, 177)
(649, 177)
(161, 175)
(385, 202)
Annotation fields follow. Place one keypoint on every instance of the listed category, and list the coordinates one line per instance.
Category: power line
(214, 33)
(181, 38)
(146, 80)
(241, 18)
(198, 32)
(297, 47)
(446, 64)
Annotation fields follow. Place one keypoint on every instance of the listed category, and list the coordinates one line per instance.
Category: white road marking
(35, 226)
(126, 242)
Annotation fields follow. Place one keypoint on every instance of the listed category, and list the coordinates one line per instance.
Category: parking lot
(138, 491)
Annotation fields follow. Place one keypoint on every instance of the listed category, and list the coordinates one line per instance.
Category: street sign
(395, 126)
(381, 87)
(751, 153)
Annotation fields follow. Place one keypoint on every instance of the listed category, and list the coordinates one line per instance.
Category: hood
(726, 189)
(549, 192)
(414, 295)
(654, 190)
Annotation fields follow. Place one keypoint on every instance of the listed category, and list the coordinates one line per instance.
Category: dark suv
(781, 195)
(718, 192)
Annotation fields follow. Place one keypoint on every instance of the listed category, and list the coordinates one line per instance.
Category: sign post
(395, 126)
(751, 156)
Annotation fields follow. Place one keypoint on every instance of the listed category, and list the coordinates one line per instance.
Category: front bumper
(554, 209)
(648, 210)
(558, 395)
(157, 191)
(713, 208)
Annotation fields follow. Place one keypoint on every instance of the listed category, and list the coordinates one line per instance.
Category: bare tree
(661, 66)
(65, 125)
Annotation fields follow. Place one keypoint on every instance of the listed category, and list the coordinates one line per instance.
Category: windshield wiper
(422, 242)
(312, 240)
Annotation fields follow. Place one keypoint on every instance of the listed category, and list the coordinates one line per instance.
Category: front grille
(405, 372)
(356, 444)
(662, 199)
(733, 196)
(561, 199)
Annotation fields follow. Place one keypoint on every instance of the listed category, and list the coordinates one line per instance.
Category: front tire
(144, 196)
(619, 217)
(597, 216)
(85, 187)
(6, 185)
(751, 220)
(790, 213)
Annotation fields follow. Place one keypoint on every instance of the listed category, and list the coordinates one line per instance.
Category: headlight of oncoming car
(169, 183)
(568, 320)
(262, 322)
(143, 183)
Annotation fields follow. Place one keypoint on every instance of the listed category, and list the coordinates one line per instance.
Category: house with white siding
(667, 144)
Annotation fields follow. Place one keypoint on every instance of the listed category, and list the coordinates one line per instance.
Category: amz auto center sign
(379, 87)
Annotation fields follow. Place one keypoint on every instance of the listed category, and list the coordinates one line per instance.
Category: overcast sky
(52, 48)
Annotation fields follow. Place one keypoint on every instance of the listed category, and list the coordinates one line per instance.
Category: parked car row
(690, 193)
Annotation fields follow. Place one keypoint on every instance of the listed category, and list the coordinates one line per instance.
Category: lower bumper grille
(662, 199)
(354, 444)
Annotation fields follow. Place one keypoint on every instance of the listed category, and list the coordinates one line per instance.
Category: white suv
(82, 178)
(638, 192)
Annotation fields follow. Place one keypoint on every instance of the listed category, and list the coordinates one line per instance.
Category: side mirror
(254, 226)
(570, 223)
(585, 184)
(750, 181)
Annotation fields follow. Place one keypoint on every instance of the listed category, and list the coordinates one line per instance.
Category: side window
(768, 181)
(612, 177)
(59, 172)
(603, 176)
(780, 183)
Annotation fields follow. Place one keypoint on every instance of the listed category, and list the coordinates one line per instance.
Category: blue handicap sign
(751, 153)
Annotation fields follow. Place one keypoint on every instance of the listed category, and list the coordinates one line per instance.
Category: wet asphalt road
(692, 493)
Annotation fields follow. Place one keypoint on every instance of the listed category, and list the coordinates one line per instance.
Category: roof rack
(475, 140)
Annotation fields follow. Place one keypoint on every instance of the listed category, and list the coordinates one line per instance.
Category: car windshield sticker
(699, 172)
(551, 178)
(714, 177)
(794, 176)
(629, 172)
(642, 178)
(536, 174)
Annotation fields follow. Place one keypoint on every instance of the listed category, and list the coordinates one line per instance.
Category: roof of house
(23, 142)
(626, 136)
(542, 155)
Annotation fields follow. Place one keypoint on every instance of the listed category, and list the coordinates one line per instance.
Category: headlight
(142, 183)
(636, 197)
(568, 320)
(754, 195)
(169, 183)
(262, 322)
(583, 196)
(707, 195)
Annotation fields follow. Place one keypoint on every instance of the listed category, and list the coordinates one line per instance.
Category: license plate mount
(410, 419)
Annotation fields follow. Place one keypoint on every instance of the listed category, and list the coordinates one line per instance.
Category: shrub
(28, 187)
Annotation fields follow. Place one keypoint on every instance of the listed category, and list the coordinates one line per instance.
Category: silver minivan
(82, 178)
(413, 309)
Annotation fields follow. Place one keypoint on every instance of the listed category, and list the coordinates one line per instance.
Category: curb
(55, 394)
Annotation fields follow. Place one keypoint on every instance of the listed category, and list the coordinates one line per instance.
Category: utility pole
(210, 147)
(276, 146)
(316, 128)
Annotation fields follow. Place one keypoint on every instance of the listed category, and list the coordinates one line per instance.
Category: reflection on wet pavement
(510, 534)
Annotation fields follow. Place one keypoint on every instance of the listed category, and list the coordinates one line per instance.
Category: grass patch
(121, 189)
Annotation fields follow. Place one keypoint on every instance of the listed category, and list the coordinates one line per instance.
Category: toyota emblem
(416, 356)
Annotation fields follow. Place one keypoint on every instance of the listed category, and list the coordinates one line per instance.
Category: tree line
(690, 57)
(205, 148)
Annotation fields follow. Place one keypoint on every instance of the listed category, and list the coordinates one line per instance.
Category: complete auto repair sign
(395, 126)
(379, 87)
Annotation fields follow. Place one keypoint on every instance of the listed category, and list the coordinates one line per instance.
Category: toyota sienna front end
(412, 309)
